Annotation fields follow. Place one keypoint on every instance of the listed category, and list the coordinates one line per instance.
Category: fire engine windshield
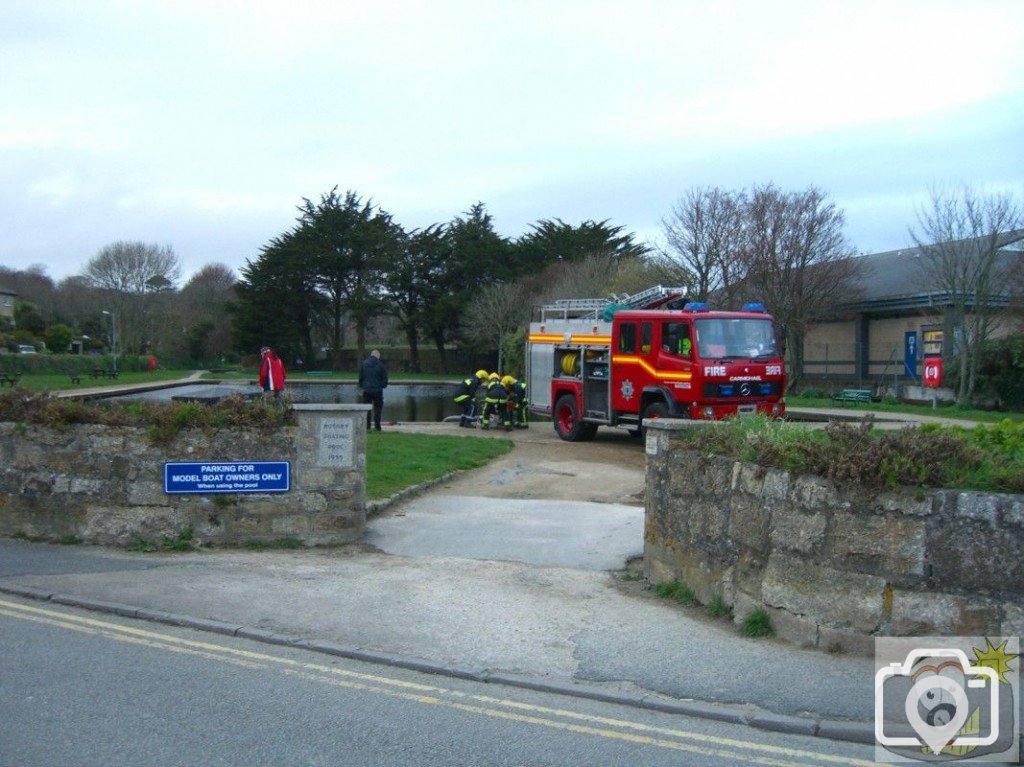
(735, 338)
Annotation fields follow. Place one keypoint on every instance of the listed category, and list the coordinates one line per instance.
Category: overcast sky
(202, 125)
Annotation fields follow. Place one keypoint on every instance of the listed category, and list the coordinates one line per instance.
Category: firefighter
(495, 403)
(677, 339)
(516, 401)
(466, 397)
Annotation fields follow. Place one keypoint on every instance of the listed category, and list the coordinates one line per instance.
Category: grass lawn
(395, 461)
(944, 411)
(62, 381)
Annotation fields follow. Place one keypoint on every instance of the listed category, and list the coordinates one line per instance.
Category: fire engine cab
(594, 362)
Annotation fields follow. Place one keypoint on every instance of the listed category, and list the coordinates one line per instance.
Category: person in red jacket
(272, 372)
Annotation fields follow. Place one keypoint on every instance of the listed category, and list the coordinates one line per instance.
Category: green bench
(853, 395)
(9, 379)
(320, 373)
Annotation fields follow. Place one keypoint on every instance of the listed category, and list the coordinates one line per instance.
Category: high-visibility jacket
(496, 392)
(467, 389)
(517, 393)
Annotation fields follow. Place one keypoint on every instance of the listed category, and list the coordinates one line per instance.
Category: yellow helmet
(494, 376)
(508, 381)
(481, 374)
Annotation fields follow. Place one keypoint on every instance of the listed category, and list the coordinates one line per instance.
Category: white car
(26, 349)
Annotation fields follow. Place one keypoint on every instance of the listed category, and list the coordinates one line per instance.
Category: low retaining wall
(833, 566)
(105, 484)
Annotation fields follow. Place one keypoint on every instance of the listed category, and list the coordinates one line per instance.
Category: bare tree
(495, 311)
(128, 267)
(704, 233)
(134, 278)
(960, 235)
(796, 259)
(201, 331)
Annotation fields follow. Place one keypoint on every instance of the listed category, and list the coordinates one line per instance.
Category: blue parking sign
(227, 477)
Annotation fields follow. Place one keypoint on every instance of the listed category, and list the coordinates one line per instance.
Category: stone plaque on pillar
(335, 443)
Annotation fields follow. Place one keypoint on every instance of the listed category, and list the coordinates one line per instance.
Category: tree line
(346, 263)
(129, 300)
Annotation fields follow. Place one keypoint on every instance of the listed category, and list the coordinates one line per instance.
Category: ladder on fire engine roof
(592, 308)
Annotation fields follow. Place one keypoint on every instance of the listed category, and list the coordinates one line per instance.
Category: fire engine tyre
(656, 409)
(568, 423)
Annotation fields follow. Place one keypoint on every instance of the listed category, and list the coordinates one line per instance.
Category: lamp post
(113, 336)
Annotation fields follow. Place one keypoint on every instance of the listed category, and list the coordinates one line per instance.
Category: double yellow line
(478, 705)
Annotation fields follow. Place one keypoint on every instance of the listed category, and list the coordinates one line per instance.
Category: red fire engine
(594, 362)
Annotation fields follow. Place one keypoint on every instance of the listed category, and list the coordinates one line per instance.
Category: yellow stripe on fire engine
(551, 338)
(663, 375)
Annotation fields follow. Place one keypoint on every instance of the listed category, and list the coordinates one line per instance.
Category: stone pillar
(330, 470)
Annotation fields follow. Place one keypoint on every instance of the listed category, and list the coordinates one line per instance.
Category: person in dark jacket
(373, 379)
(465, 397)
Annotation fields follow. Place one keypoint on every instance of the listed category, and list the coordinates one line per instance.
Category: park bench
(320, 373)
(9, 379)
(101, 373)
(852, 395)
(75, 377)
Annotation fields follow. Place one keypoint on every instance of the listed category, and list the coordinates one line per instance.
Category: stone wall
(833, 566)
(105, 485)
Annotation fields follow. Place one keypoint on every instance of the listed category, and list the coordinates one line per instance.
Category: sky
(203, 125)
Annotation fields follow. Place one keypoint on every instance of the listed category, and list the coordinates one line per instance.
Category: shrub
(984, 458)
(165, 419)
(58, 337)
(1001, 373)
(678, 591)
(717, 607)
(757, 624)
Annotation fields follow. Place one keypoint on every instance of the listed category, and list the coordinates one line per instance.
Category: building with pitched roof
(901, 315)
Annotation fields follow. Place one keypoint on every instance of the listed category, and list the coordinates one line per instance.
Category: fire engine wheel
(657, 409)
(568, 423)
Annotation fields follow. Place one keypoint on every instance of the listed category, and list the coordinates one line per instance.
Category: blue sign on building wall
(910, 354)
(228, 477)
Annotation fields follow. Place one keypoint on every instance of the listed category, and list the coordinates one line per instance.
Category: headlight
(707, 413)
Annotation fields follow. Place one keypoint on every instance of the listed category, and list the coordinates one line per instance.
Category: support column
(861, 349)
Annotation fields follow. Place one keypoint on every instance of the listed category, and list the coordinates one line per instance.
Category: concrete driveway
(547, 504)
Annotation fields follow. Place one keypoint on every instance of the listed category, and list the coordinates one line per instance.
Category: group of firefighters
(504, 400)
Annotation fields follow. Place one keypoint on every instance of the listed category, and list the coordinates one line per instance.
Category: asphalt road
(86, 689)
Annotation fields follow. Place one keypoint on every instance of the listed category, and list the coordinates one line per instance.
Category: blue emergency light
(695, 306)
(754, 307)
